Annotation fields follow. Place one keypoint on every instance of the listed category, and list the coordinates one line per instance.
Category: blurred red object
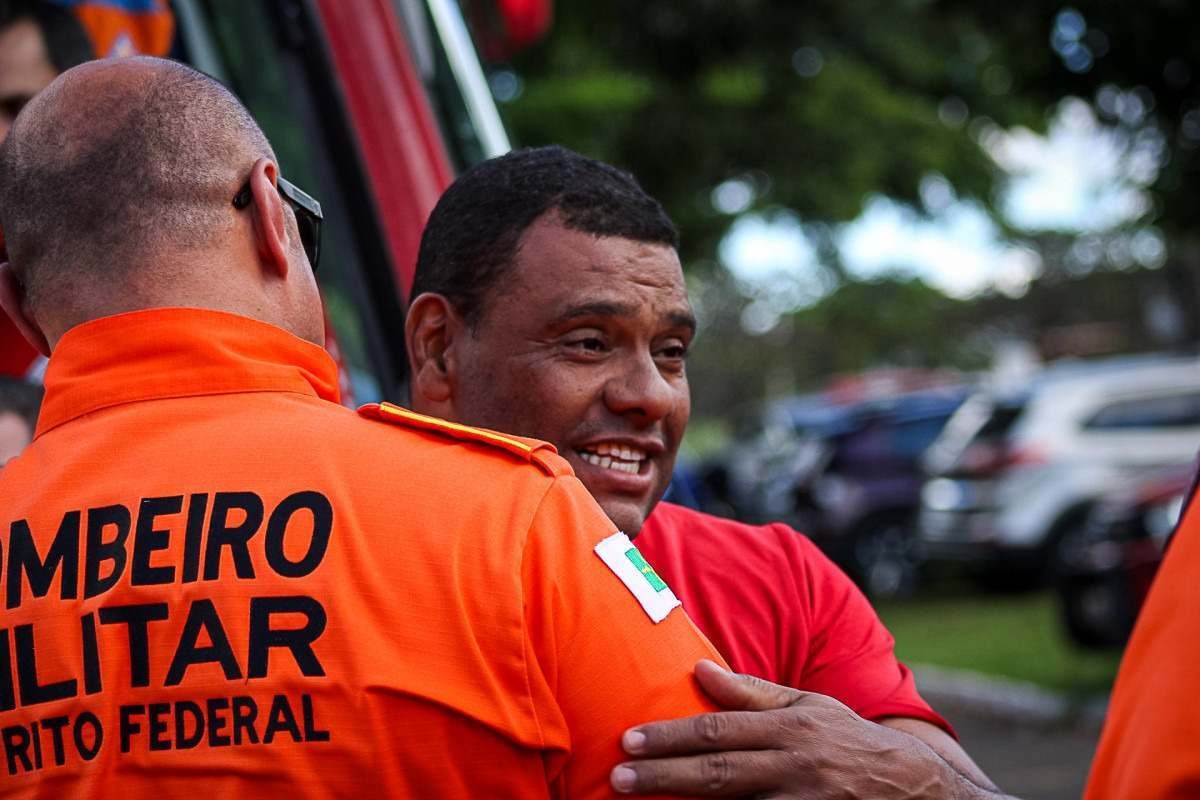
(16, 355)
(505, 27)
(526, 21)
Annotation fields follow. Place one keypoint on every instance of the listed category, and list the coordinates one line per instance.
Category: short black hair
(472, 235)
(21, 398)
(67, 43)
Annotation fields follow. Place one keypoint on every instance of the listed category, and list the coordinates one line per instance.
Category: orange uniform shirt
(218, 583)
(1150, 746)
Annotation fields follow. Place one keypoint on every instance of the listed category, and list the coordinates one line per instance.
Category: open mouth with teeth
(613, 456)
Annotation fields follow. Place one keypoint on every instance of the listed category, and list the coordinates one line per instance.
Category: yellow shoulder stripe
(393, 413)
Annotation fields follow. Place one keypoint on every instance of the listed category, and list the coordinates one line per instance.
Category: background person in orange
(1148, 746)
(218, 582)
(549, 301)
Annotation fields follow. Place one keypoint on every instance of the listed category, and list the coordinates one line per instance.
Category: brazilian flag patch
(651, 591)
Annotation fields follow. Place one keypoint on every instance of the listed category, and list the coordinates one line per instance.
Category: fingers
(768, 729)
(709, 775)
(742, 692)
(722, 730)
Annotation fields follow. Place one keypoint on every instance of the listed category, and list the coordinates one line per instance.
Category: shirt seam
(526, 639)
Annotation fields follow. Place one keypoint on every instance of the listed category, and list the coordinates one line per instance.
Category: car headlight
(942, 494)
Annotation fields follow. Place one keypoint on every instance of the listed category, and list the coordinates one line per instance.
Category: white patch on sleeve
(639, 578)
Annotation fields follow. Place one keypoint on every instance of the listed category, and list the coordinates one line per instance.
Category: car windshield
(983, 421)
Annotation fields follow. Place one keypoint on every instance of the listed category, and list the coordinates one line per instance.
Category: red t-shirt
(777, 608)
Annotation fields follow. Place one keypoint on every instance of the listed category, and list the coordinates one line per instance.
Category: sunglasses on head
(308, 214)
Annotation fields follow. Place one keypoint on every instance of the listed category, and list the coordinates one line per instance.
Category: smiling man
(550, 302)
(538, 349)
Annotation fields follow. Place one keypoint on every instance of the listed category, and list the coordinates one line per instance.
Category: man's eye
(674, 351)
(590, 344)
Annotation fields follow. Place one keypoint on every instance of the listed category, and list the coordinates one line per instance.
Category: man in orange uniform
(1148, 748)
(550, 302)
(217, 582)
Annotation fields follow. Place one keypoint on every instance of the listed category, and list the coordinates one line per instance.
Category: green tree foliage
(1137, 63)
(826, 102)
(899, 321)
(816, 105)
(895, 321)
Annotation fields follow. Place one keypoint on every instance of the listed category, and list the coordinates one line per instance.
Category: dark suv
(848, 476)
(860, 504)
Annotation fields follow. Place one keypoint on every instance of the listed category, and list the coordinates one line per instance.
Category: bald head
(117, 175)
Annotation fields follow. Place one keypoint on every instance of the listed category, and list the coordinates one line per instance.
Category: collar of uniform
(177, 352)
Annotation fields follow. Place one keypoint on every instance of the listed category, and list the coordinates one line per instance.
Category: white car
(1012, 476)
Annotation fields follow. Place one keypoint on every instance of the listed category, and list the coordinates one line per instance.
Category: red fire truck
(372, 107)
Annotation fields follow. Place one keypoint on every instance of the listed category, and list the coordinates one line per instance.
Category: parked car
(1108, 567)
(753, 479)
(848, 476)
(859, 500)
(1014, 475)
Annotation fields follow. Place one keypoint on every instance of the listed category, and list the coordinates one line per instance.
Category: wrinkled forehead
(556, 267)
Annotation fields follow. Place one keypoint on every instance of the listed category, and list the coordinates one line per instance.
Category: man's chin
(625, 497)
(628, 515)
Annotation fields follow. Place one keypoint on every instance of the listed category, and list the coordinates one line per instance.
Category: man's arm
(608, 647)
(785, 743)
(944, 745)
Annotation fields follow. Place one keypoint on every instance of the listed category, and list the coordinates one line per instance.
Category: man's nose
(641, 390)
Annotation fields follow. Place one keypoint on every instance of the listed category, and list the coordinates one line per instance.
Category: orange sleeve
(598, 664)
(1148, 746)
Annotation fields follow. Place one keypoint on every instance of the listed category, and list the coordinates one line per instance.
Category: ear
(270, 226)
(12, 300)
(431, 330)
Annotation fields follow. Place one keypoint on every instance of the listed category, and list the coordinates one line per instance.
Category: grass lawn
(1015, 636)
